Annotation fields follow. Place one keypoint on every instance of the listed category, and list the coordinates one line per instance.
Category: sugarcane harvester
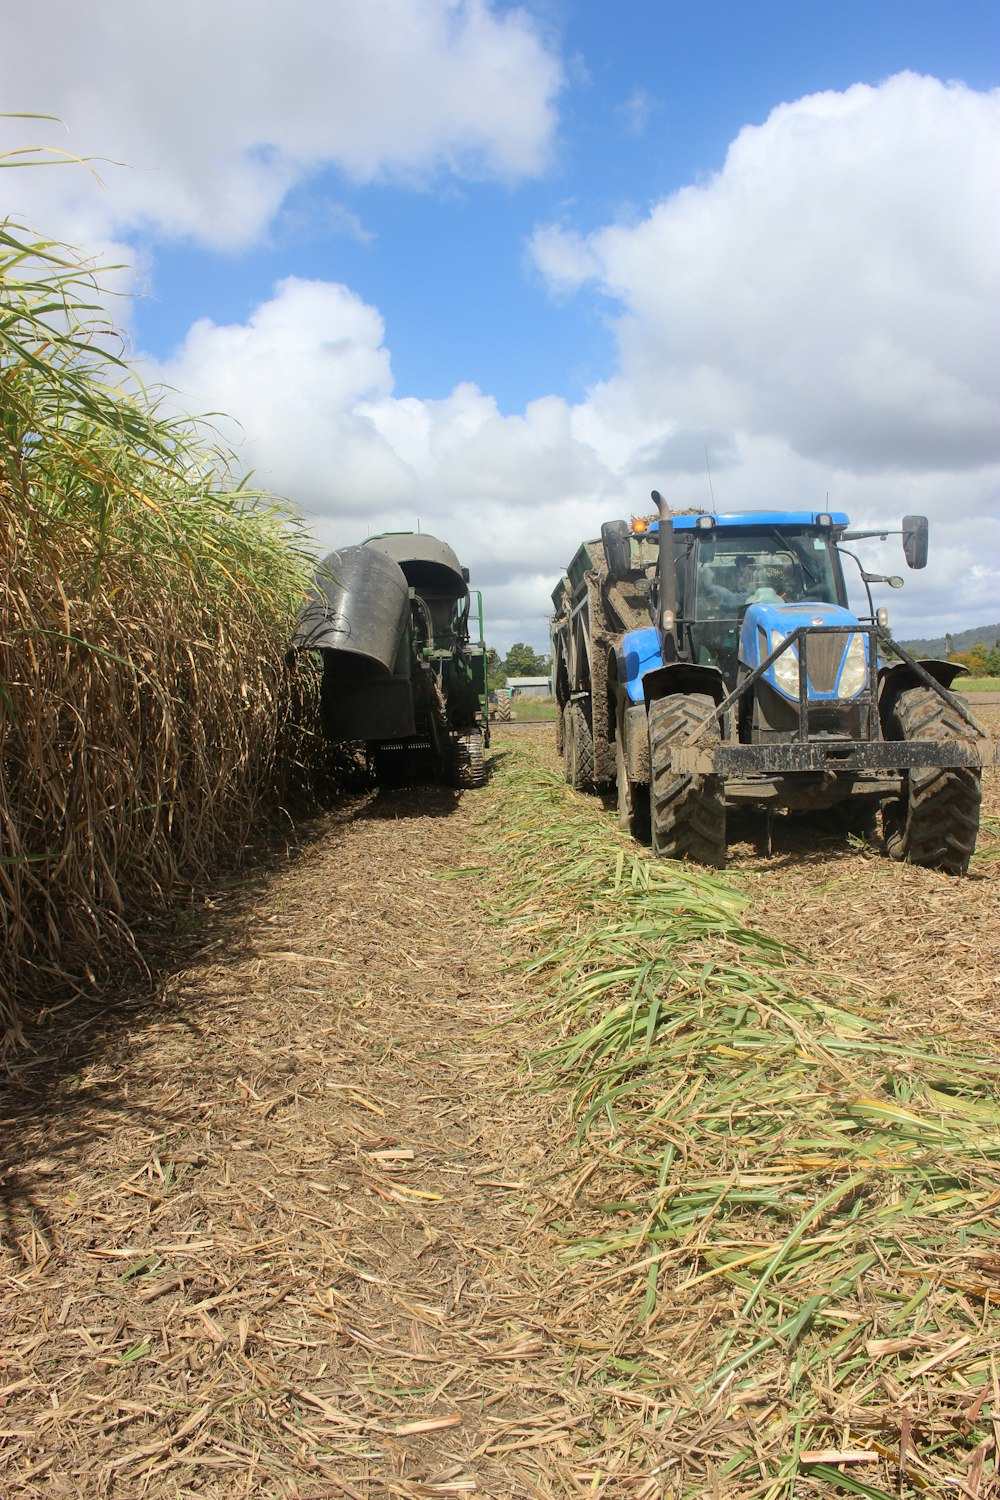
(706, 661)
(389, 620)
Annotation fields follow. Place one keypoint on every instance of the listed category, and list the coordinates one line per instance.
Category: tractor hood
(769, 611)
(837, 657)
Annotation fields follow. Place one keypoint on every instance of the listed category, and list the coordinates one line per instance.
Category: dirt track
(286, 1222)
(280, 1228)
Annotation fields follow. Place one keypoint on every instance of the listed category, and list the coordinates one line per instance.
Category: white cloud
(295, 379)
(636, 112)
(309, 378)
(213, 110)
(819, 316)
(823, 315)
(835, 284)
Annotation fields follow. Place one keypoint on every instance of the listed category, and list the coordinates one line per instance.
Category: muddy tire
(687, 813)
(560, 729)
(578, 748)
(633, 797)
(936, 821)
(468, 763)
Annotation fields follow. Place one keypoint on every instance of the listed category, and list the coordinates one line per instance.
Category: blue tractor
(706, 661)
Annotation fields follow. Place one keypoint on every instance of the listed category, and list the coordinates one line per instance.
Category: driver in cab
(751, 585)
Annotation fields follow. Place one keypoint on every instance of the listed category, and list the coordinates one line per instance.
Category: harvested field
(295, 1223)
(933, 940)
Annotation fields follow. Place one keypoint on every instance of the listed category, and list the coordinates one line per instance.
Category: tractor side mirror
(617, 540)
(915, 541)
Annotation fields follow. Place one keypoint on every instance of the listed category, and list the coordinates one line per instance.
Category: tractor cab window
(682, 551)
(734, 571)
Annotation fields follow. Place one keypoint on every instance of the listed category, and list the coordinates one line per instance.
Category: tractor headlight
(854, 674)
(786, 668)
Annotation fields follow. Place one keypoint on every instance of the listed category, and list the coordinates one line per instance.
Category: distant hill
(960, 640)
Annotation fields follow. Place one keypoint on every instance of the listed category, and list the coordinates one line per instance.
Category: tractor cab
(773, 563)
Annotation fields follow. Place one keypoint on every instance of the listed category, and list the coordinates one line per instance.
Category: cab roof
(739, 520)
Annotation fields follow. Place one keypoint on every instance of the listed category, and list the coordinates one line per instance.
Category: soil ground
(272, 1225)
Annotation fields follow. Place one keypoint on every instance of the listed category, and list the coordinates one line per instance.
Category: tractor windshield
(733, 569)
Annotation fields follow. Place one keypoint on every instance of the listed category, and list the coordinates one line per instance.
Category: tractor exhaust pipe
(667, 612)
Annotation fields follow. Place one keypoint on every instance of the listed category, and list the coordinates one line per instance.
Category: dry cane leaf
(838, 1456)
(428, 1424)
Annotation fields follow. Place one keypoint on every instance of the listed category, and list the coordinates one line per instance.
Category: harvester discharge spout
(358, 612)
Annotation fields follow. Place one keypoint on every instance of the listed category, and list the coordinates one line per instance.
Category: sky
(496, 271)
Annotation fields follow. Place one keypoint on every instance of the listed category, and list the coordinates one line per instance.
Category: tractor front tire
(687, 813)
(936, 820)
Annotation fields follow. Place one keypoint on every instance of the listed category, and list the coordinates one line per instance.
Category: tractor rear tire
(560, 729)
(578, 748)
(633, 797)
(687, 813)
(502, 714)
(936, 821)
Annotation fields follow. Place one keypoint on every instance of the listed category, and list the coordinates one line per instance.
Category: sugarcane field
(392, 1122)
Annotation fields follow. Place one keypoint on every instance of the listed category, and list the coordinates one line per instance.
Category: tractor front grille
(823, 657)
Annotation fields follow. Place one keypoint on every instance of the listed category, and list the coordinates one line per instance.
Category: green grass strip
(819, 1196)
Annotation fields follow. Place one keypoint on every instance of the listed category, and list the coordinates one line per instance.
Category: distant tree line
(957, 641)
(520, 661)
(981, 660)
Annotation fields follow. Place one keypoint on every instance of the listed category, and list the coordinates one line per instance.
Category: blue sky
(502, 268)
(655, 93)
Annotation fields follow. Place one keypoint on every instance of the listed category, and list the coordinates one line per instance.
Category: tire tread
(687, 813)
(936, 822)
